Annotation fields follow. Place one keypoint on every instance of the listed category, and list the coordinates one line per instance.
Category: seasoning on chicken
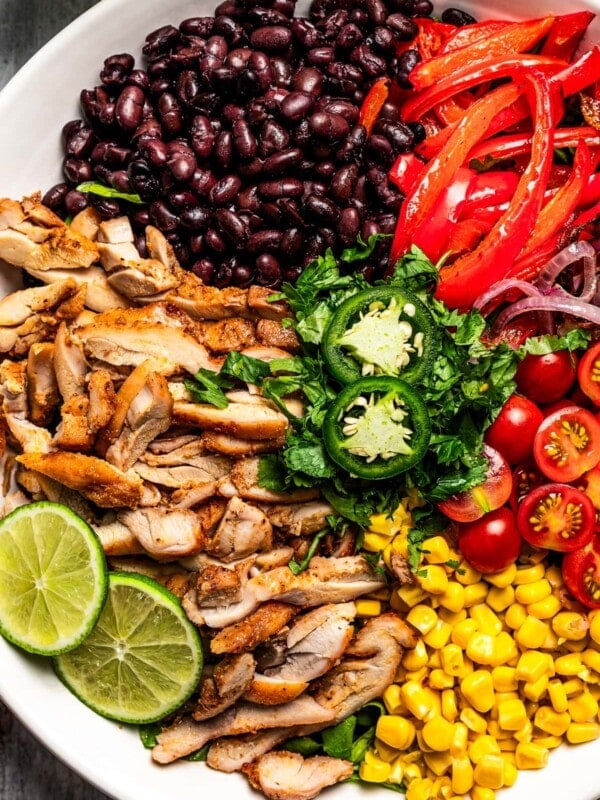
(281, 775)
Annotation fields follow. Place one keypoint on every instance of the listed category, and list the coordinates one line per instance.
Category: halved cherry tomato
(581, 573)
(472, 504)
(513, 430)
(491, 543)
(588, 373)
(589, 484)
(548, 377)
(567, 444)
(556, 516)
(525, 477)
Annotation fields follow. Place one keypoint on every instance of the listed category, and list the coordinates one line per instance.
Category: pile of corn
(503, 672)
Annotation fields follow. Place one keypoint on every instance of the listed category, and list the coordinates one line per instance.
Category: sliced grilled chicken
(73, 431)
(13, 392)
(260, 303)
(70, 365)
(186, 736)
(224, 685)
(207, 302)
(243, 480)
(166, 534)
(283, 775)
(60, 249)
(102, 396)
(257, 627)
(117, 539)
(271, 333)
(99, 294)
(300, 519)
(87, 223)
(236, 447)
(226, 335)
(243, 530)
(185, 475)
(18, 307)
(246, 420)
(42, 388)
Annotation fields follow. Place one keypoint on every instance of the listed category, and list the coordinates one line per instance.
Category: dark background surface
(27, 770)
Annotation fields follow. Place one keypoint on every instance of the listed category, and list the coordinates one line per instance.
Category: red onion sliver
(557, 302)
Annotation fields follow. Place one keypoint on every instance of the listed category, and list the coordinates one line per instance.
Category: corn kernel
(591, 659)
(573, 686)
(417, 657)
(439, 763)
(493, 729)
(451, 658)
(549, 742)
(482, 746)
(452, 617)
(487, 621)
(531, 756)
(419, 700)
(439, 679)
(551, 641)
(510, 773)
(392, 700)
(511, 714)
(558, 696)
(570, 625)
(419, 789)
(489, 772)
(532, 665)
(515, 616)
(505, 649)
(367, 608)
(532, 633)
(546, 608)
(438, 733)
(422, 617)
(508, 745)
(505, 679)
(395, 731)
(482, 793)
(383, 524)
(466, 574)
(449, 707)
(500, 598)
(375, 773)
(533, 592)
(410, 594)
(503, 578)
(474, 721)
(460, 739)
(433, 579)
(528, 574)
(453, 599)
(436, 550)
(583, 707)
(579, 732)
(535, 690)
(435, 661)
(475, 593)
(569, 664)
(525, 734)
(439, 635)
(462, 632)
(462, 775)
(481, 648)
(478, 690)
(594, 618)
(412, 771)
(551, 721)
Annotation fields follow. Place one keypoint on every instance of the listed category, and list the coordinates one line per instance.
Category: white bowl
(33, 108)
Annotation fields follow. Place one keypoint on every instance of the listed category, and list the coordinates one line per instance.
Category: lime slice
(142, 660)
(53, 578)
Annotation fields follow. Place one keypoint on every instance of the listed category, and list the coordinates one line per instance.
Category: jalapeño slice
(380, 331)
(377, 428)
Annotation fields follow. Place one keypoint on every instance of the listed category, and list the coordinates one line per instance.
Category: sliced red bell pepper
(517, 37)
(465, 77)
(467, 34)
(373, 103)
(463, 281)
(440, 171)
(466, 235)
(405, 171)
(506, 147)
(488, 189)
(558, 209)
(566, 34)
(432, 36)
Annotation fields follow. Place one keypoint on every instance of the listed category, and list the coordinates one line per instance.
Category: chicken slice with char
(42, 387)
(86, 223)
(168, 444)
(224, 685)
(19, 306)
(198, 470)
(243, 530)
(117, 539)
(186, 452)
(283, 775)
(13, 391)
(243, 420)
(236, 448)
(186, 735)
(248, 633)
(166, 534)
(97, 480)
(70, 365)
(203, 302)
(300, 519)
(73, 431)
(243, 480)
(326, 580)
(102, 399)
(157, 332)
(259, 303)
(99, 294)
(226, 335)
(271, 333)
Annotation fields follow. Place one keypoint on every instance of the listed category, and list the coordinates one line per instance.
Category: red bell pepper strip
(506, 147)
(405, 170)
(558, 209)
(566, 34)
(463, 281)
(518, 37)
(418, 103)
(489, 189)
(431, 36)
(373, 103)
(440, 171)
(466, 235)
(467, 34)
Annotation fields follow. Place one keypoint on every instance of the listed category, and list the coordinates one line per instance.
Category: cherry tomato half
(513, 430)
(556, 516)
(567, 444)
(491, 543)
(472, 504)
(588, 373)
(525, 477)
(589, 484)
(581, 573)
(546, 378)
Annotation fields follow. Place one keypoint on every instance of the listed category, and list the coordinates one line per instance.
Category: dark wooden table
(27, 770)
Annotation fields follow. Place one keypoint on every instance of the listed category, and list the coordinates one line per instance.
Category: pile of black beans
(241, 135)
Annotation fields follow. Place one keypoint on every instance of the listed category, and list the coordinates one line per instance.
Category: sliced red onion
(567, 256)
(500, 287)
(560, 302)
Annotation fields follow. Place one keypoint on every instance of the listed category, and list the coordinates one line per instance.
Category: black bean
(195, 217)
(143, 181)
(422, 8)
(222, 275)
(455, 16)
(106, 207)
(320, 56)
(244, 140)
(273, 138)
(75, 202)
(290, 212)
(348, 226)
(320, 209)
(344, 182)
(160, 41)
(129, 108)
(251, 168)
(229, 28)
(271, 38)
(169, 112)
(306, 33)
(225, 190)
(296, 106)
(242, 275)
(330, 127)
(379, 150)
(260, 64)
(181, 163)
(162, 216)
(284, 187)
(202, 182)
(384, 39)
(201, 136)
(248, 199)
(349, 37)
(337, 105)
(232, 227)
(77, 170)
(92, 101)
(281, 70)
(308, 80)
(140, 218)
(292, 242)
(149, 129)
(155, 151)
(204, 269)
(223, 149)
(189, 89)
(267, 240)
(55, 196)
(405, 27)
(369, 62)
(119, 180)
(217, 46)
(215, 242)
(406, 63)
(268, 270)
(116, 69)
(197, 26)
(78, 138)
(418, 131)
